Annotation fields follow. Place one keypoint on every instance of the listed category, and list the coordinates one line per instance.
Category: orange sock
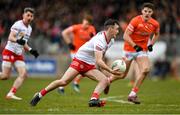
(77, 79)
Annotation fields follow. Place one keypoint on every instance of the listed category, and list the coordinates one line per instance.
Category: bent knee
(105, 80)
(23, 75)
(4, 77)
(146, 70)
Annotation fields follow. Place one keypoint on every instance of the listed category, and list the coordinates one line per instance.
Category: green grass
(156, 97)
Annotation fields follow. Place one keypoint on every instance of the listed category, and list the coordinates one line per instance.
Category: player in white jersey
(87, 56)
(12, 54)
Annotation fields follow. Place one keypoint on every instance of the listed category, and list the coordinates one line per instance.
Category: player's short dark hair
(29, 9)
(148, 5)
(89, 18)
(110, 22)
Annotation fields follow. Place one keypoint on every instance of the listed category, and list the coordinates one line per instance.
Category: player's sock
(95, 96)
(134, 91)
(13, 90)
(77, 80)
(42, 93)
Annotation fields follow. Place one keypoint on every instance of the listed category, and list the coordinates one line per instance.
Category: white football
(120, 64)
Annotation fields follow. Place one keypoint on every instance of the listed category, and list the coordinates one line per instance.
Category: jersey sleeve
(15, 27)
(133, 24)
(157, 28)
(99, 44)
(93, 31)
(74, 28)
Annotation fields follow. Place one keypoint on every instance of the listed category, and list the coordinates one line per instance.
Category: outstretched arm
(68, 36)
(32, 51)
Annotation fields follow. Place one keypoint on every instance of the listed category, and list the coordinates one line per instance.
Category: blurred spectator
(161, 69)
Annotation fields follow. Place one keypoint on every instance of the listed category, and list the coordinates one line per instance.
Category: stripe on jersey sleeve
(14, 29)
(98, 48)
(130, 27)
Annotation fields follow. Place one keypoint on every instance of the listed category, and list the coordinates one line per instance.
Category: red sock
(43, 92)
(13, 89)
(135, 89)
(95, 96)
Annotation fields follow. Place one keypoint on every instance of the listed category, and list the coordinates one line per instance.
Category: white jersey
(21, 30)
(97, 43)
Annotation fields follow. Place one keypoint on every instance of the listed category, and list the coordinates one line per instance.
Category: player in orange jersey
(75, 36)
(137, 44)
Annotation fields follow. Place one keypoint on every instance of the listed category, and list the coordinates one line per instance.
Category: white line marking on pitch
(116, 99)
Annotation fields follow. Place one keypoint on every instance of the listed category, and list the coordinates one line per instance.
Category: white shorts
(133, 55)
(16, 64)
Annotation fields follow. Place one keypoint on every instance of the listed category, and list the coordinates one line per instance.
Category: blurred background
(52, 16)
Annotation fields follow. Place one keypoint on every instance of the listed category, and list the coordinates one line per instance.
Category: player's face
(85, 24)
(147, 13)
(115, 30)
(28, 17)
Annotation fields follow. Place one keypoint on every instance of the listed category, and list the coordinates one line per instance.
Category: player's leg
(61, 89)
(66, 79)
(22, 75)
(133, 73)
(144, 67)
(102, 83)
(113, 78)
(77, 79)
(6, 70)
(76, 82)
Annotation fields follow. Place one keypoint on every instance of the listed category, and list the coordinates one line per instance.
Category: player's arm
(67, 35)
(12, 37)
(127, 37)
(154, 39)
(102, 64)
(32, 51)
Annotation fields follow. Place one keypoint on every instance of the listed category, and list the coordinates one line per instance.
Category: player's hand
(138, 48)
(34, 53)
(71, 46)
(150, 47)
(21, 41)
(116, 71)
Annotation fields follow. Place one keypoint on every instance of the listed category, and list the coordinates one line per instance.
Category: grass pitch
(156, 97)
